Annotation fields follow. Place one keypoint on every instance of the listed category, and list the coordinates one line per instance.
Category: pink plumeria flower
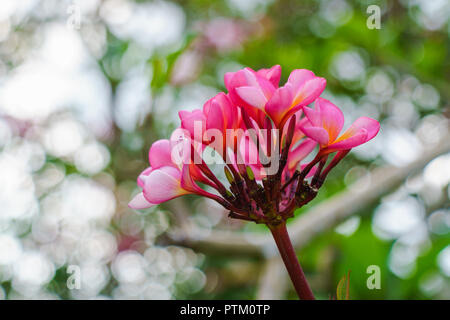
(302, 88)
(251, 89)
(259, 94)
(218, 113)
(169, 176)
(325, 123)
(265, 171)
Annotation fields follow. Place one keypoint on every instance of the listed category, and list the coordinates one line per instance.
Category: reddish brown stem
(291, 262)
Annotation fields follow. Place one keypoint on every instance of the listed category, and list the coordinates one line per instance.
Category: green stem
(291, 262)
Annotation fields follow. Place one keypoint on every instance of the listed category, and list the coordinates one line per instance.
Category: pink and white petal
(196, 120)
(266, 87)
(300, 152)
(317, 134)
(313, 116)
(183, 114)
(310, 91)
(214, 119)
(139, 202)
(221, 98)
(298, 78)
(279, 104)
(160, 154)
(180, 145)
(234, 80)
(238, 79)
(230, 112)
(288, 114)
(252, 96)
(332, 117)
(143, 176)
(349, 143)
(163, 184)
(298, 135)
(273, 74)
(371, 125)
(250, 77)
(187, 182)
(228, 78)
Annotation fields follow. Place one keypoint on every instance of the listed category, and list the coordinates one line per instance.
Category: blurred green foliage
(401, 46)
(295, 34)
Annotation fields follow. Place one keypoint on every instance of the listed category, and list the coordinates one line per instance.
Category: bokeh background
(87, 85)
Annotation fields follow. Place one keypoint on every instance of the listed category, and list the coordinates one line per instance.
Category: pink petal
(298, 135)
(160, 154)
(273, 74)
(310, 91)
(266, 87)
(234, 80)
(331, 116)
(247, 78)
(250, 77)
(230, 111)
(300, 152)
(183, 114)
(371, 125)
(180, 145)
(139, 202)
(194, 123)
(348, 143)
(215, 119)
(316, 133)
(163, 185)
(361, 131)
(187, 182)
(253, 96)
(221, 98)
(143, 176)
(313, 116)
(244, 78)
(279, 104)
(298, 77)
(227, 78)
(288, 115)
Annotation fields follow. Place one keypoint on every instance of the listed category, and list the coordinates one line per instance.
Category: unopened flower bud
(228, 174)
(250, 173)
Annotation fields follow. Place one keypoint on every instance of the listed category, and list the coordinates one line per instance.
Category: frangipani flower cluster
(262, 132)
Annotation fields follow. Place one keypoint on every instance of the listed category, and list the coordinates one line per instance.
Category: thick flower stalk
(262, 134)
